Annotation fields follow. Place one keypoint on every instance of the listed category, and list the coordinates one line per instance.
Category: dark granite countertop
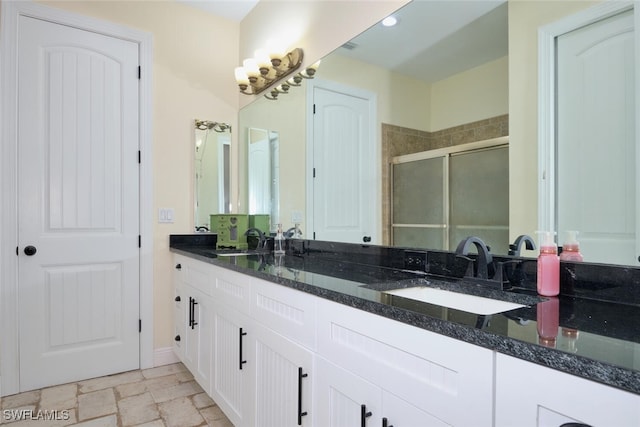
(594, 339)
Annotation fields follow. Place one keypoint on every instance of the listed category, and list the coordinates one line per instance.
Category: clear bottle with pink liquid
(548, 266)
(571, 248)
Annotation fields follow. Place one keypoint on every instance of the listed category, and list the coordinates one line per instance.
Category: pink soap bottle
(548, 320)
(548, 266)
(571, 248)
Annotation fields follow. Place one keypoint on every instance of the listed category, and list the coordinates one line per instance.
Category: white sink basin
(455, 300)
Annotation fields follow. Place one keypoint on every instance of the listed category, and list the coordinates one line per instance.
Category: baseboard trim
(164, 356)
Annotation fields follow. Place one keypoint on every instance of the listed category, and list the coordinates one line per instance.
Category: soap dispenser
(548, 266)
(571, 248)
(278, 242)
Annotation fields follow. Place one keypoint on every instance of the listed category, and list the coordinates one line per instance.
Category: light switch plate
(296, 217)
(166, 215)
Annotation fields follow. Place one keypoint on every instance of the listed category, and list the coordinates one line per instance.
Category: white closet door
(596, 154)
(78, 204)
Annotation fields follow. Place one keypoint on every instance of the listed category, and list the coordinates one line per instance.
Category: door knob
(30, 250)
(366, 239)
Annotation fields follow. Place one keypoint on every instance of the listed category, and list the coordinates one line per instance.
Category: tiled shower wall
(397, 141)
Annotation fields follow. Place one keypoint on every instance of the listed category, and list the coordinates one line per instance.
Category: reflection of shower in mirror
(212, 181)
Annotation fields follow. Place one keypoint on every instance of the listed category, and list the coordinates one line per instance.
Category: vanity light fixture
(261, 72)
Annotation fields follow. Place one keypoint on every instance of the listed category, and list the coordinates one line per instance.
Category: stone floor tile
(184, 376)
(180, 413)
(59, 397)
(161, 371)
(108, 421)
(202, 400)
(20, 399)
(96, 404)
(156, 423)
(109, 381)
(133, 389)
(166, 381)
(177, 391)
(213, 413)
(138, 409)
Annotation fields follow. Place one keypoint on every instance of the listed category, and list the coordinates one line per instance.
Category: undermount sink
(455, 300)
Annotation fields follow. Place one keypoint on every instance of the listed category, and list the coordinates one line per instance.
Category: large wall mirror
(444, 87)
(212, 146)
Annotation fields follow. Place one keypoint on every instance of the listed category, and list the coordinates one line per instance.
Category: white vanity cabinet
(429, 375)
(192, 318)
(532, 395)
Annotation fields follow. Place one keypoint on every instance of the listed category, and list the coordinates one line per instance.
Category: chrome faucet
(516, 246)
(262, 240)
(485, 259)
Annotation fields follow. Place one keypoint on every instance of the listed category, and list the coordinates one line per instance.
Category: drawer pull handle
(364, 415)
(300, 413)
(242, 362)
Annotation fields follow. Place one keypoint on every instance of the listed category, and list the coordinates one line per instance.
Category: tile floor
(166, 396)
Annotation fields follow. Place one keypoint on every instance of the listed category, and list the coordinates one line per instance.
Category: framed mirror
(212, 147)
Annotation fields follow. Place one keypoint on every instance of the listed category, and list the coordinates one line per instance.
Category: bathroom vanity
(313, 339)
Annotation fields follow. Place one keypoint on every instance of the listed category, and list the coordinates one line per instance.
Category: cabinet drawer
(289, 312)
(232, 289)
(196, 274)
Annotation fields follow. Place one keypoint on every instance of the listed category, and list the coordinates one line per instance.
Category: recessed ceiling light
(389, 21)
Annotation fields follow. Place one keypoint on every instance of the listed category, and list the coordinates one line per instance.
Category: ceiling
(436, 39)
(234, 10)
(433, 39)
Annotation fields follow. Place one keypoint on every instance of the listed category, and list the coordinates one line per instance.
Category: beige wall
(194, 54)
(476, 94)
(524, 19)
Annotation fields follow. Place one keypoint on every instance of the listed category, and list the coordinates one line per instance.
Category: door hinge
(314, 108)
(139, 241)
(17, 251)
(139, 157)
(314, 235)
(139, 72)
(139, 325)
(314, 172)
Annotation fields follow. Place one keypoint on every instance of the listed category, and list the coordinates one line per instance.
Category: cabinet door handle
(385, 422)
(300, 413)
(178, 266)
(242, 362)
(192, 312)
(364, 415)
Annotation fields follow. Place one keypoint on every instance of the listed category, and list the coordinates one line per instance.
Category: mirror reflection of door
(212, 173)
(263, 168)
(596, 164)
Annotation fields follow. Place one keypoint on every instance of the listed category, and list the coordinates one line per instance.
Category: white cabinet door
(198, 337)
(344, 399)
(232, 332)
(532, 395)
(282, 375)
